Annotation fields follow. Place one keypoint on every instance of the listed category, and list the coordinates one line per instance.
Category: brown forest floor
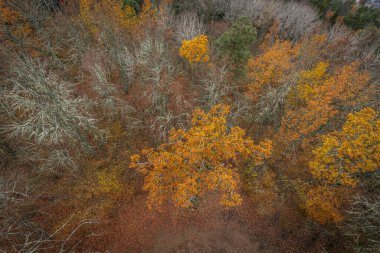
(210, 228)
(206, 229)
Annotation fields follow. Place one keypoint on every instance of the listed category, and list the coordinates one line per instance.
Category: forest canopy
(189, 126)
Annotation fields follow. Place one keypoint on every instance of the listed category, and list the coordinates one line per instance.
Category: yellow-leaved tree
(346, 154)
(339, 162)
(203, 159)
(195, 50)
(124, 16)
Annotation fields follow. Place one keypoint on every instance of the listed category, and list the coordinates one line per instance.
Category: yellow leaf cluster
(195, 50)
(109, 181)
(271, 66)
(198, 161)
(309, 80)
(85, 14)
(354, 150)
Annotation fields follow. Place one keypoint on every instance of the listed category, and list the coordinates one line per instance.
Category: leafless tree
(121, 54)
(104, 89)
(258, 10)
(189, 26)
(215, 87)
(58, 159)
(153, 55)
(206, 9)
(21, 234)
(295, 18)
(42, 111)
(363, 224)
(271, 104)
(111, 107)
(42, 108)
(157, 68)
(126, 62)
(351, 46)
(241, 109)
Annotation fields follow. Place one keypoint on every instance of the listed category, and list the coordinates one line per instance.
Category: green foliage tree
(339, 7)
(207, 10)
(235, 42)
(356, 18)
(136, 4)
(362, 18)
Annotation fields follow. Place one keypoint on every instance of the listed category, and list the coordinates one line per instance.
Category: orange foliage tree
(313, 49)
(195, 50)
(312, 104)
(323, 204)
(271, 66)
(203, 159)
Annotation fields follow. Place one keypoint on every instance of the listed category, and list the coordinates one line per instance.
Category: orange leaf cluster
(323, 204)
(7, 15)
(203, 159)
(17, 26)
(312, 103)
(271, 66)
